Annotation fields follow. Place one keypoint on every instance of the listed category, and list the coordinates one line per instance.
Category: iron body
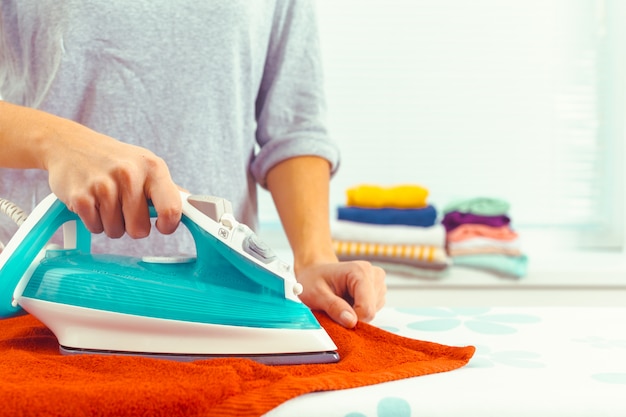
(234, 298)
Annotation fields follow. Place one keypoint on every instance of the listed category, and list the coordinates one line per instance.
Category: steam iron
(234, 298)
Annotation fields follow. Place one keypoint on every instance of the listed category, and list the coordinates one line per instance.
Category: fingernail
(347, 318)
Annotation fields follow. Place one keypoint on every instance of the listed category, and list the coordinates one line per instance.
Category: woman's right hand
(106, 182)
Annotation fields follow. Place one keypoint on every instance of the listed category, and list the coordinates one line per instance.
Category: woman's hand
(347, 291)
(106, 182)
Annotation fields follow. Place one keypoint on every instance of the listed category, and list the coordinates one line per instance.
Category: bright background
(516, 99)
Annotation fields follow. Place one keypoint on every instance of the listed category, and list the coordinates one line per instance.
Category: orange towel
(36, 380)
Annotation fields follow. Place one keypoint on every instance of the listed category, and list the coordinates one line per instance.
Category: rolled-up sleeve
(291, 106)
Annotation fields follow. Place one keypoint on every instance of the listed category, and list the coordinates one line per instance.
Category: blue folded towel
(513, 266)
(424, 217)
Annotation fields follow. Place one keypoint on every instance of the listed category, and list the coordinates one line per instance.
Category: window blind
(517, 99)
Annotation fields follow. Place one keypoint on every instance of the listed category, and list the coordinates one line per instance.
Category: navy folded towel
(424, 217)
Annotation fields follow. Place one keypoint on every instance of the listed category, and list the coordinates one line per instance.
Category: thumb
(336, 307)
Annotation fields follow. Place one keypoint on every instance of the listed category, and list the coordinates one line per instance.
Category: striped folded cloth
(423, 256)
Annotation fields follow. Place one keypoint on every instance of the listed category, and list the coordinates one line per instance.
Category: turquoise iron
(234, 298)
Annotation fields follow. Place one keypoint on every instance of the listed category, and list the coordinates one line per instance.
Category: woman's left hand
(347, 291)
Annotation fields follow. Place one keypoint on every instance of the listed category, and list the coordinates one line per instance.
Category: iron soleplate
(306, 358)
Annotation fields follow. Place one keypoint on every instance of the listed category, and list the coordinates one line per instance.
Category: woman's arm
(347, 291)
(104, 181)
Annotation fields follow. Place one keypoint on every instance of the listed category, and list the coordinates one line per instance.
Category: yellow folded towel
(400, 196)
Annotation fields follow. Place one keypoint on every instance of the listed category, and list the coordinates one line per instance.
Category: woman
(227, 93)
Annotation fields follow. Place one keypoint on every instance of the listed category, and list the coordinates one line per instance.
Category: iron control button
(259, 249)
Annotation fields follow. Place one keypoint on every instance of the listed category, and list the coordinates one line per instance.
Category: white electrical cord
(14, 212)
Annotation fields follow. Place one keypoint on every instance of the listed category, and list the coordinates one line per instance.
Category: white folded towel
(485, 242)
(389, 234)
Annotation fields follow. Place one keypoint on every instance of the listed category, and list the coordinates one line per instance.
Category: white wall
(487, 97)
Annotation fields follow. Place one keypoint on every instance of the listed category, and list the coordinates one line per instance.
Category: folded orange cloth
(35, 380)
(399, 196)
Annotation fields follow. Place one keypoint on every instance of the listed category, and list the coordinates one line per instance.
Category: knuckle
(170, 215)
(102, 187)
(153, 162)
(362, 268)
(125, 172)
(174, 209)
(171, 211)
(80, 203)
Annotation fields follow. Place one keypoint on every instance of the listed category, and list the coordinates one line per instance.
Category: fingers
(165, 196)
(366, 285)
(135, 210)
(100, 209)
(339, 310)
(347, 291)
(169, 212)
(149, 181)
(84, 206)
(111, 195)
(111, 214)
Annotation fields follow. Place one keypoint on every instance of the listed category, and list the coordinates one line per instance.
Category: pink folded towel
(470, 230)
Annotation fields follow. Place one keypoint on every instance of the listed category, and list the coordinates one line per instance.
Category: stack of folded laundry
(479, 235)
(391, 225)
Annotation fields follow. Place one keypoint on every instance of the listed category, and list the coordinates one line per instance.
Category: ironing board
(535, 361)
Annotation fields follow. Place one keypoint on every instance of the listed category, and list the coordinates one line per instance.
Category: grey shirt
(222, 90)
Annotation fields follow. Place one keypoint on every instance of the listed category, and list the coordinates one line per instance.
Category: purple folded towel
(454, 219)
